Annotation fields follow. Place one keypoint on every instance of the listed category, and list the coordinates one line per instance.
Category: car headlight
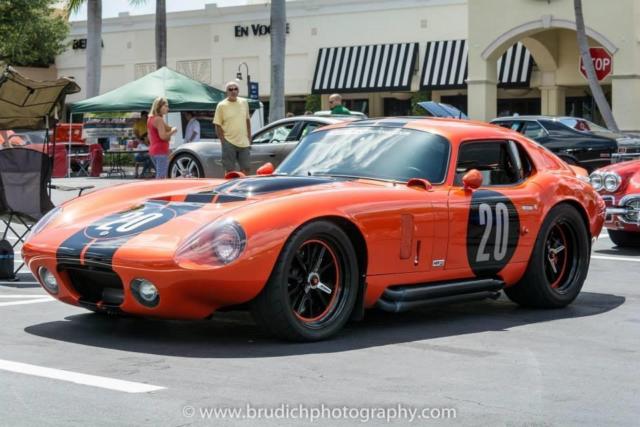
(44, 221)
(612, 182)
(219, 243)
(596, 181)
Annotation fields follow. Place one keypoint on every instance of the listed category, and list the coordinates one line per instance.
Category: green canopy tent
(182, 92)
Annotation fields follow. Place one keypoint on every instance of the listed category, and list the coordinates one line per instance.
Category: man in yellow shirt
(233, 128)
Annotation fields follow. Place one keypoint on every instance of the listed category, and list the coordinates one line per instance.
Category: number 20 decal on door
(492, 232)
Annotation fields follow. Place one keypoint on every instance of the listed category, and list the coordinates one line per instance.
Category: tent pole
(69, 147)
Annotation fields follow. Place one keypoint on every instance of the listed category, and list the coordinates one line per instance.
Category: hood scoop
(246, 187)
(239, 190)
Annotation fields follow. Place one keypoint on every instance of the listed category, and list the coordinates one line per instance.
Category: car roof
(315, 119)
(534, 117)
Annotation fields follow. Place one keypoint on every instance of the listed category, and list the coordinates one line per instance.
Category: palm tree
(94, 43)
(161, 33)
(161, 30)
(278, 47)
(594, 85)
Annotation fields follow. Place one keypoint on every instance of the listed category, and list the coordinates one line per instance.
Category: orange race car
(396, 213)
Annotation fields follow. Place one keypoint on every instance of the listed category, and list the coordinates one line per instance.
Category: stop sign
(602, 62)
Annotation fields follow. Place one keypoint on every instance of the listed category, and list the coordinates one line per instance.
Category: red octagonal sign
(602, 62)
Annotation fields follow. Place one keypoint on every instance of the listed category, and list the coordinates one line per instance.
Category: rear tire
(559, 262)
(313, 287)
(624, 238)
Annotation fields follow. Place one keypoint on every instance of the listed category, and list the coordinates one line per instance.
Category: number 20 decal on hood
(493, 232)
(100, 240)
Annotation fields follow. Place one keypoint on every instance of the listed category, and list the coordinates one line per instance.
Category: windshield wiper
(341, 175)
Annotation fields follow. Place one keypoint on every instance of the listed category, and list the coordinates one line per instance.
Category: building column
(625, 95)
(552, 101)
(376, 105)
(482, 87)
(482, 100)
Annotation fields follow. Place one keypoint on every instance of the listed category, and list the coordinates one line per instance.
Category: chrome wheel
(185, 166)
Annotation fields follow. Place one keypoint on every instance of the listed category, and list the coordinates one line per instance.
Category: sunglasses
(232, 89)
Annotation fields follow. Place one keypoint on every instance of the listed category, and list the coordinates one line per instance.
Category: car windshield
(582, 125)
(384, 153)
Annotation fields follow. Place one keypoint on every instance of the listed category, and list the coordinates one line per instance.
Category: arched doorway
(557, 82)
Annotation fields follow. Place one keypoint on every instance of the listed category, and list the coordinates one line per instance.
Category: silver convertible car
(272, 143)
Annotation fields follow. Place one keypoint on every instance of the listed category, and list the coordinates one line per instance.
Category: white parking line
(19, 282)
(24, 296)
(77, 378)
(615, 258)
(29, 301)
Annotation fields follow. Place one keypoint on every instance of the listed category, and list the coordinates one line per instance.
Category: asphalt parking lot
(490, 362)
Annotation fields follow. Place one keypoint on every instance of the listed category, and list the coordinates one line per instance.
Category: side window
(274, 135)
(498, 161)
(533, 130)
(310, 127)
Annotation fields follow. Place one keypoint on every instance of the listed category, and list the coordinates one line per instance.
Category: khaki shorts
(232, 154)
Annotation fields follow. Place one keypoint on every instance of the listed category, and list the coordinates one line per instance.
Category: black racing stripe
(73, 246)
(245, 186)
(101, 250)
(228, 198)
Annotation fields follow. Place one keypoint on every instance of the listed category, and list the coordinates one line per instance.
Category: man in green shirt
(335, 103)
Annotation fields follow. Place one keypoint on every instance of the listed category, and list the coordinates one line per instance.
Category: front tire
(313, 287)
(559, 262)
(185, 166)
(624, 238)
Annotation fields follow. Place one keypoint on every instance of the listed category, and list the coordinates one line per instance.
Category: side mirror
(266, 169)
(472, 180)
(419, 183)
(234, 174)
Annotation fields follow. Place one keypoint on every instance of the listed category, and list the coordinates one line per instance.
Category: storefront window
(521, 106)
(360, 105)
(585, 107)
(458, 101)
(397, 107)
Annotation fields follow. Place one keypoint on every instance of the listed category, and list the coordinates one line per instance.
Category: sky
(111, 8)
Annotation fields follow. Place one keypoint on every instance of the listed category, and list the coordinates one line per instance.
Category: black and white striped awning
(370, 68)
(514, 67)
(445, 66)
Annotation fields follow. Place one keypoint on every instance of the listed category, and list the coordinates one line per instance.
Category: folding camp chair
(25, 191)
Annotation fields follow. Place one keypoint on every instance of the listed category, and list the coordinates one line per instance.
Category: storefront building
(487, 57)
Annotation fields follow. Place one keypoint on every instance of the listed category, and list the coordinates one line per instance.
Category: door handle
(272, 155)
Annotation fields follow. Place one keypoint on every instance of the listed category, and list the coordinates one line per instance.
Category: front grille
(634, 212)
(95, 284)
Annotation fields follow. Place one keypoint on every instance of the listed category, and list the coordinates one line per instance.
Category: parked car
(628, 145)
(392, 213)
(272, 144)
(77, 151)
(353, 114)
(586, 149)
(619, 186)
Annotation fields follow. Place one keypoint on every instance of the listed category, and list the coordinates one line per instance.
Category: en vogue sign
(255, 30)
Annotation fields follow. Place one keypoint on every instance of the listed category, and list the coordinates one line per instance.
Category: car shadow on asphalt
(234, 335)
(618, 251)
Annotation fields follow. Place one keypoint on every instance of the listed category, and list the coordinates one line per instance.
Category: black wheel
(559, 262)
(624, 238)
(313, 287)
(185, 166)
